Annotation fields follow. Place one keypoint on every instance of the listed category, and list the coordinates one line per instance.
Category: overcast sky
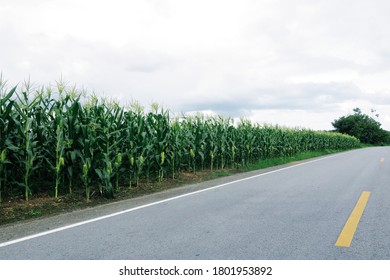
(296, 63)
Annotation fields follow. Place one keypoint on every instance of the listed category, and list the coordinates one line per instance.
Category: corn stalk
(27, 134)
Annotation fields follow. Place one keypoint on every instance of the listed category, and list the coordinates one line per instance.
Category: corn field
(57, 140)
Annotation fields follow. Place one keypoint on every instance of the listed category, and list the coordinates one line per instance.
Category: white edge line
(151, 204)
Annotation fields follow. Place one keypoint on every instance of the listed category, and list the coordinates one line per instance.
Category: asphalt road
(296, 211)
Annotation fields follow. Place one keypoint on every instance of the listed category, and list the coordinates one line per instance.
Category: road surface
(296, 211)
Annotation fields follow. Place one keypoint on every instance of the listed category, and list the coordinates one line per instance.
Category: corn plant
(173, 152)
(162, 133)
(134, 135)
(88, 144)
(27, 135)
(200, 139)
(117, 136)
(6, 121)
(72, 134)
(61, 138)
(60, 161)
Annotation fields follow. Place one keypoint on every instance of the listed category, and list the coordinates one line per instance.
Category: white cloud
(300, 62)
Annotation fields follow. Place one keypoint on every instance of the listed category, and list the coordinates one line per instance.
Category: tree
(363, 127)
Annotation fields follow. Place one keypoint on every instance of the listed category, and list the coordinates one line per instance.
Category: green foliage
(52, 141)
(363, 127)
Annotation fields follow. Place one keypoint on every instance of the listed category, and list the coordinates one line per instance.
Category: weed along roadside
(62, 150)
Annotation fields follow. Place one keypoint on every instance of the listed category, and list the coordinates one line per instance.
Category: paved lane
(292, 213)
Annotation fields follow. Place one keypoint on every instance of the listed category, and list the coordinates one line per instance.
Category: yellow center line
(349, 229)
